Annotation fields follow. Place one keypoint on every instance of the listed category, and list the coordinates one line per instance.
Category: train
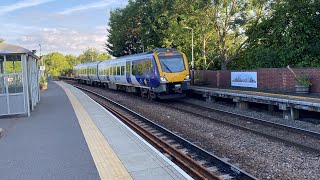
(162, 73)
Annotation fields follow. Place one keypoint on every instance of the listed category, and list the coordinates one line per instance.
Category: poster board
(244, 79)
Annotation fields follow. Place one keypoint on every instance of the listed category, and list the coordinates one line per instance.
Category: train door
(128, 72)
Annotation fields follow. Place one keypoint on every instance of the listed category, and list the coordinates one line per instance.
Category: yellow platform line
(261, 93)
(108, 164)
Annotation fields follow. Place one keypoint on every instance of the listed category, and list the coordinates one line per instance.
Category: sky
(65, 26)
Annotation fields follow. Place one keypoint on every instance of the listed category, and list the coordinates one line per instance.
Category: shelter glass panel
(13, 64)
(1, 64)
(2, 85)
(15, 83)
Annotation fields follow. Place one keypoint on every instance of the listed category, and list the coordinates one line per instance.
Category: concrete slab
(47, 145)
(140, 159)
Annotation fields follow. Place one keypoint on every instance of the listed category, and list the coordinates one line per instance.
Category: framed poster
(244, 79)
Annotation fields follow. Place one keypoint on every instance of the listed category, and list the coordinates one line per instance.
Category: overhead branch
(237, 51)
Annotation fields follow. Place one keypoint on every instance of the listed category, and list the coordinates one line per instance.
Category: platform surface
(69, 136)
(302, 99)
(139, 158)
(47, 145)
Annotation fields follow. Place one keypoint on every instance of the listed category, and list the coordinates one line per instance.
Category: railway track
(196, 161)
(293, 136)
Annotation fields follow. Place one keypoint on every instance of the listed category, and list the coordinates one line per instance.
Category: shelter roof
(6, 49)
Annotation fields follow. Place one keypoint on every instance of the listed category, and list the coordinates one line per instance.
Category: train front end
(173, 74)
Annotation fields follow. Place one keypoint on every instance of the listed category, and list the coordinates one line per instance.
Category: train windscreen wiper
(165, 66)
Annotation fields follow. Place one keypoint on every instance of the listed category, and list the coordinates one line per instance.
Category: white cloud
(21, 5)
(64, 40)
(95, 5)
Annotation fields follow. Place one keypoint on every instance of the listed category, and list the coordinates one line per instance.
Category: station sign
(42, 68)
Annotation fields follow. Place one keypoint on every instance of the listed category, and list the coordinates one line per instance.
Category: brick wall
(275, 79)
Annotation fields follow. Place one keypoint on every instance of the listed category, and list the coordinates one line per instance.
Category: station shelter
(19, 80)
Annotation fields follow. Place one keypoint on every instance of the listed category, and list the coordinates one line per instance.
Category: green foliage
(43, 81)
(239, 34)
(219, 28)
(290, 36)
(303, 80)
(1, 40)
(57, 64)
(91, 54)
(124, 31)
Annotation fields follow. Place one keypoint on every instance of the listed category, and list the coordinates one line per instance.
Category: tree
(220, 27)
(290, 36)
(92, 54)
(1, 40)
(124, 31)
(56, 64)
(232, 19)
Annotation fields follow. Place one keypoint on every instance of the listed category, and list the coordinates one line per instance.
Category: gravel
(257, 155)
(270, 116)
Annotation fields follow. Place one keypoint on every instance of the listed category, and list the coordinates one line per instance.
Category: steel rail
(255, 120)
(195, 169)
(262, 121)
(191, 166)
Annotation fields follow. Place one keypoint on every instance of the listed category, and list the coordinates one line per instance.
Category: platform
(290, 104)
(69, 136)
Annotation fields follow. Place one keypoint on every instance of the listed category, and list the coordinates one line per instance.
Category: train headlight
(163, 79)
(187, 77)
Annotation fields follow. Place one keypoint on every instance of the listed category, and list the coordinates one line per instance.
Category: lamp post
(42, 62)
(192, 57)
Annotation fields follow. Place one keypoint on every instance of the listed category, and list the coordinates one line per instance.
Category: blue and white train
(162, 73)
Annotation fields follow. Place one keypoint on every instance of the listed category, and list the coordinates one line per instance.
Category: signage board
(42, 68)
(244, 79)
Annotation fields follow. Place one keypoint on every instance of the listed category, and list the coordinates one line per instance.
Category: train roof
(139, 55)
(88, 63)
(148, 54)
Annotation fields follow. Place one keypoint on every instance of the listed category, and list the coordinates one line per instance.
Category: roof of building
(6, 49)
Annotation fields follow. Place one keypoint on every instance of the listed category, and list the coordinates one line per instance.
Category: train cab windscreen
(171, 62)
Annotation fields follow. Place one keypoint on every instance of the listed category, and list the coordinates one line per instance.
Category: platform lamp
(192, 56)
(42, 62)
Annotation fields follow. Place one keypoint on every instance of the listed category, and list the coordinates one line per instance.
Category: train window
(107, 71)
(173, 63)
(134, 69)
(122, 70)
(128, 68)
(114, 69)
(118, 70)
(140, 69)
(144, 66)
